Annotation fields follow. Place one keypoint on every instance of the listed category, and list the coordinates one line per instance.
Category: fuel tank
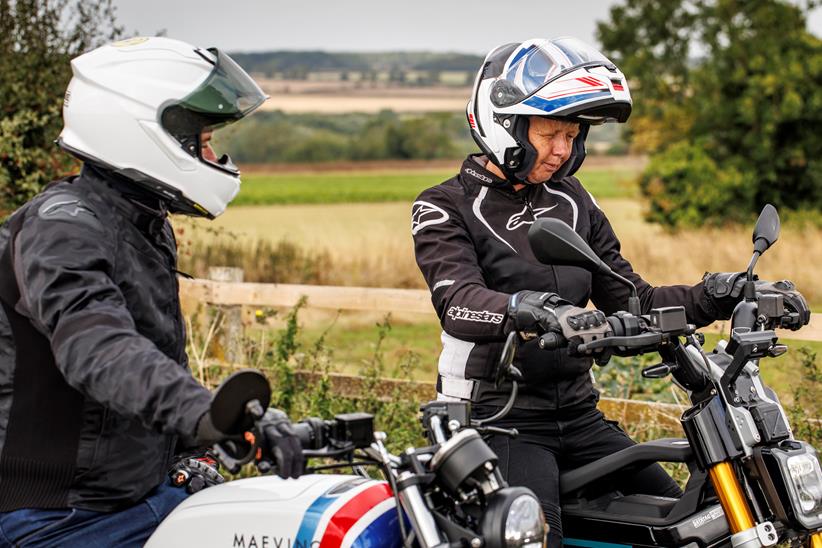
(313, 511)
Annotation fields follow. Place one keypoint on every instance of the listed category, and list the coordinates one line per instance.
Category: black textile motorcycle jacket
(94, 380)
(470, 238)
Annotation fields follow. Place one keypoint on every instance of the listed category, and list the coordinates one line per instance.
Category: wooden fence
(366, 299)
(236, 294)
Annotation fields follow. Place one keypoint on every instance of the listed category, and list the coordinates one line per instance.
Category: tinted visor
(227, 92)
(227, 95)
(538, 65)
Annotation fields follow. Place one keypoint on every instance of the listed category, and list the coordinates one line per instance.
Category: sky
(469, 26)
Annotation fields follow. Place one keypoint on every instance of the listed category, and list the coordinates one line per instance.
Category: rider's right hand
(280, 443)
(798, 311)
(536, 312)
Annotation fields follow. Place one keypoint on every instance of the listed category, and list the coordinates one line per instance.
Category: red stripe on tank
(350, 513)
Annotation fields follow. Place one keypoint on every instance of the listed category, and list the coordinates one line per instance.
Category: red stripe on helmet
(590, 81)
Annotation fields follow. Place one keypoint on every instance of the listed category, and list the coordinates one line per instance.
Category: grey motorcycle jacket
(94, 380)
(470, 239)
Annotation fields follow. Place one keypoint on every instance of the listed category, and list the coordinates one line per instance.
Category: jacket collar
(144, 210)
(474, 171)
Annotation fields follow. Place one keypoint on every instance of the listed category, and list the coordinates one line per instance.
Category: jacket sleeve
(63, 265)
(445, 254)
(610, 296)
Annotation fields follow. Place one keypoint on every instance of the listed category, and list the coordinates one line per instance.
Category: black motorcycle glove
(281, 444)
(536, 312)
(798, 313)
(195, 472)
(724, 290)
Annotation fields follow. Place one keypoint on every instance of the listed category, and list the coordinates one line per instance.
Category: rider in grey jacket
(95, 392)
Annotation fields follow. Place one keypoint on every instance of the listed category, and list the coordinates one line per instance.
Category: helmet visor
(227, 95)
(539, 64)
(228, 92)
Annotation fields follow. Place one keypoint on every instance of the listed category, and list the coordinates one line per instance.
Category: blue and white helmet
(562, 78)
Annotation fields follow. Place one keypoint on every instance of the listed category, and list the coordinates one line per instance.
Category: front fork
(733, 502)
(745, 532)
(737, 511)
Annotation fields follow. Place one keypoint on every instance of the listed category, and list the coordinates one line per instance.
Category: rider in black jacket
(95, 392)
(530, 112)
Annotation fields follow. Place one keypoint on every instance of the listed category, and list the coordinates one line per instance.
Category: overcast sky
(471, 26)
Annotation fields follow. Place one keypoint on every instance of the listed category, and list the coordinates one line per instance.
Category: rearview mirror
(228, 408)
(554, 242)
(767, 228)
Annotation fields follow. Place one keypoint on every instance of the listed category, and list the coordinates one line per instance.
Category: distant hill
(297, 64)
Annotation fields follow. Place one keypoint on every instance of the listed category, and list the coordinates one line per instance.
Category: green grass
(353, 345)
(352, 187)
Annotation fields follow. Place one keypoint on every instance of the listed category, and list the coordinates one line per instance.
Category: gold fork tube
(727, 487)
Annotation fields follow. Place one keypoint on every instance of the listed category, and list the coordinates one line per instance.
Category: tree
(734, 128)
(37, 40)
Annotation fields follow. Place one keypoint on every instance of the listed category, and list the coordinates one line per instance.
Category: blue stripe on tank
(311, 519)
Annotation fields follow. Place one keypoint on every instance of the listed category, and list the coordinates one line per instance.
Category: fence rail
(368, 299)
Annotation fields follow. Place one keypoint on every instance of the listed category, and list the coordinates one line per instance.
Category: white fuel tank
(313, 511)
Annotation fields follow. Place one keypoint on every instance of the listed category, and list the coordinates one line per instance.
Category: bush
(37, 40)
(686, 187)
(806, 412)
(285, 355)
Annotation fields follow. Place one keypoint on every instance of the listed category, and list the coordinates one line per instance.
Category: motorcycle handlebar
(627, 334)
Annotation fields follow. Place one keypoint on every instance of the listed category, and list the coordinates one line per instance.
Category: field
(383, 186)
(298, 96)
(370, 243)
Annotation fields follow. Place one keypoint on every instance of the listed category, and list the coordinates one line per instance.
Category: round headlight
(525, 524)
(513, 518)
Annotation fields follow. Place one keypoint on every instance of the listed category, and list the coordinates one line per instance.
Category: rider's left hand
(280, 443)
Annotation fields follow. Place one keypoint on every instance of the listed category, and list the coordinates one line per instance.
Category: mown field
(384, 186)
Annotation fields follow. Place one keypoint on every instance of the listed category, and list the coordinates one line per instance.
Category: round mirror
(228, 408)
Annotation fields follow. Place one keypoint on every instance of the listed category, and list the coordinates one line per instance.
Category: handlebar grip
(552, 341)
(306, 434)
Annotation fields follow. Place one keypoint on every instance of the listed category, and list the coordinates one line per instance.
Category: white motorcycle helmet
(138, 108)
(564, 79)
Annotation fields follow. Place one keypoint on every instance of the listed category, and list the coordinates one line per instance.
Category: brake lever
(326, 452)
(636, 341)
(510, 432)
(228, 459)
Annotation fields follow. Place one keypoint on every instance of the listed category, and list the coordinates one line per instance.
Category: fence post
(231, 337)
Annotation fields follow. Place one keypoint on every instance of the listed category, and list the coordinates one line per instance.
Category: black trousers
(550, 442)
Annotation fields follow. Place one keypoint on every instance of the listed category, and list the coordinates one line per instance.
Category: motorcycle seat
(662, 450)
